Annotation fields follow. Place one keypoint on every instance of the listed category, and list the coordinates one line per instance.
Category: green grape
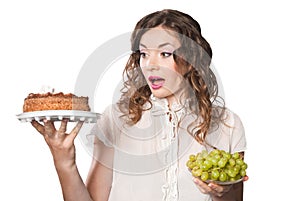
(199, 162)
(215, 174)
(231, 162)
(188, 163)
(214, 161)
(232, 179)
(227, 155)
(204, 167)
(196, 172)
(228, 166)
(215, 152)
(222, 162)
(209, 158)
(236, 155)
(239, 161)
(204, 176)
(223, 176)
(192, 157)
(237, 177)
(217, 156)
(191, 164)
(199, 156)
(208, 163)
(231, 173)
(243, 172)
(244, 166)
(236, 168)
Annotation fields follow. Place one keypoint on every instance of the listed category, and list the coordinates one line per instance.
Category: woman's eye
(166, 54)
(142, 54)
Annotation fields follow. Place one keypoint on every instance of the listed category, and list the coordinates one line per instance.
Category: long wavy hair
(193, 57)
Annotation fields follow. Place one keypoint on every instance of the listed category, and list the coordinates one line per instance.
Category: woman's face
(157, 63)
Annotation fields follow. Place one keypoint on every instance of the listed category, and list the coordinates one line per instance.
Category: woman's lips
(156, 82)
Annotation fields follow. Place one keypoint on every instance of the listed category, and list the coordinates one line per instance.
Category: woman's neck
(179, 98)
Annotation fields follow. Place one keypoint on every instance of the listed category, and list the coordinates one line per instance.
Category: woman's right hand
(60, 143)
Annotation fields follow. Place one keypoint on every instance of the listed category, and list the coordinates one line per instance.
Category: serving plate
(58, 115)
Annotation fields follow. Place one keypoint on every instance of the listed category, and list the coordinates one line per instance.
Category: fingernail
(196, 181)
(212, 186)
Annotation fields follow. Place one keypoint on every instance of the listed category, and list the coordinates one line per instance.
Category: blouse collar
(161, 105)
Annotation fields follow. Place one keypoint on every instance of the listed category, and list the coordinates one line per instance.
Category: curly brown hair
(193, 57)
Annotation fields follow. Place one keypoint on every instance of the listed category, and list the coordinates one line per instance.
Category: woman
(169, 108)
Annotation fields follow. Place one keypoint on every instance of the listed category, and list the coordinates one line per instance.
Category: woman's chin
(160, 93)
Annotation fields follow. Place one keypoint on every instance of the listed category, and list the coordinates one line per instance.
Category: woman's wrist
(67, 164)
(64, 159)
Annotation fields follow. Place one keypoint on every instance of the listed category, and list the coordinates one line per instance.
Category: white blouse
(150, 157)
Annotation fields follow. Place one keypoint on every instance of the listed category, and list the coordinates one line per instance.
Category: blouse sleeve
(237, 135)
(104, 128)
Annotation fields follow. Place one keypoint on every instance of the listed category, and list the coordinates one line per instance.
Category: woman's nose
(153, 62)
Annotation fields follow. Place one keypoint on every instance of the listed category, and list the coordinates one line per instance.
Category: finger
(203, 187)
(49, 127)
(217, 188)
(63, 126)
(246, 178)
(39, 127)
(76, 129)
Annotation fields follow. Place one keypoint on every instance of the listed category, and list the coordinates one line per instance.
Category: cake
(55, 101)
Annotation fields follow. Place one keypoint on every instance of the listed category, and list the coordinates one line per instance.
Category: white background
(256, 53)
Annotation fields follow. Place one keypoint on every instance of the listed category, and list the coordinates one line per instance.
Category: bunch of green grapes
(218, 165)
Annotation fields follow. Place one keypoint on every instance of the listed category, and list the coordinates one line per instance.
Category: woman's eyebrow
(159, 46)
(142, 45)
(165, 44)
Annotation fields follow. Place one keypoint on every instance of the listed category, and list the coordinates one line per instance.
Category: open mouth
(156, 81)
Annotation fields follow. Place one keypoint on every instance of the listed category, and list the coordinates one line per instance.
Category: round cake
(55, 101)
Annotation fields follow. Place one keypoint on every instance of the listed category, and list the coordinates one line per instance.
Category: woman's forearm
(73, 187)
(62, 148)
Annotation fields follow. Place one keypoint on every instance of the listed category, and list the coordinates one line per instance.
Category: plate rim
(223, 182)
(56, 113)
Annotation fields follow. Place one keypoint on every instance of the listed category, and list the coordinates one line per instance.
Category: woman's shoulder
(228, 116)
(232, 117)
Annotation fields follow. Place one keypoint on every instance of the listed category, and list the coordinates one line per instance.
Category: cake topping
(46, 89)
(55, 101)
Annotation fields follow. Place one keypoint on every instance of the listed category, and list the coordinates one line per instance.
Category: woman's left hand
(212, 189)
